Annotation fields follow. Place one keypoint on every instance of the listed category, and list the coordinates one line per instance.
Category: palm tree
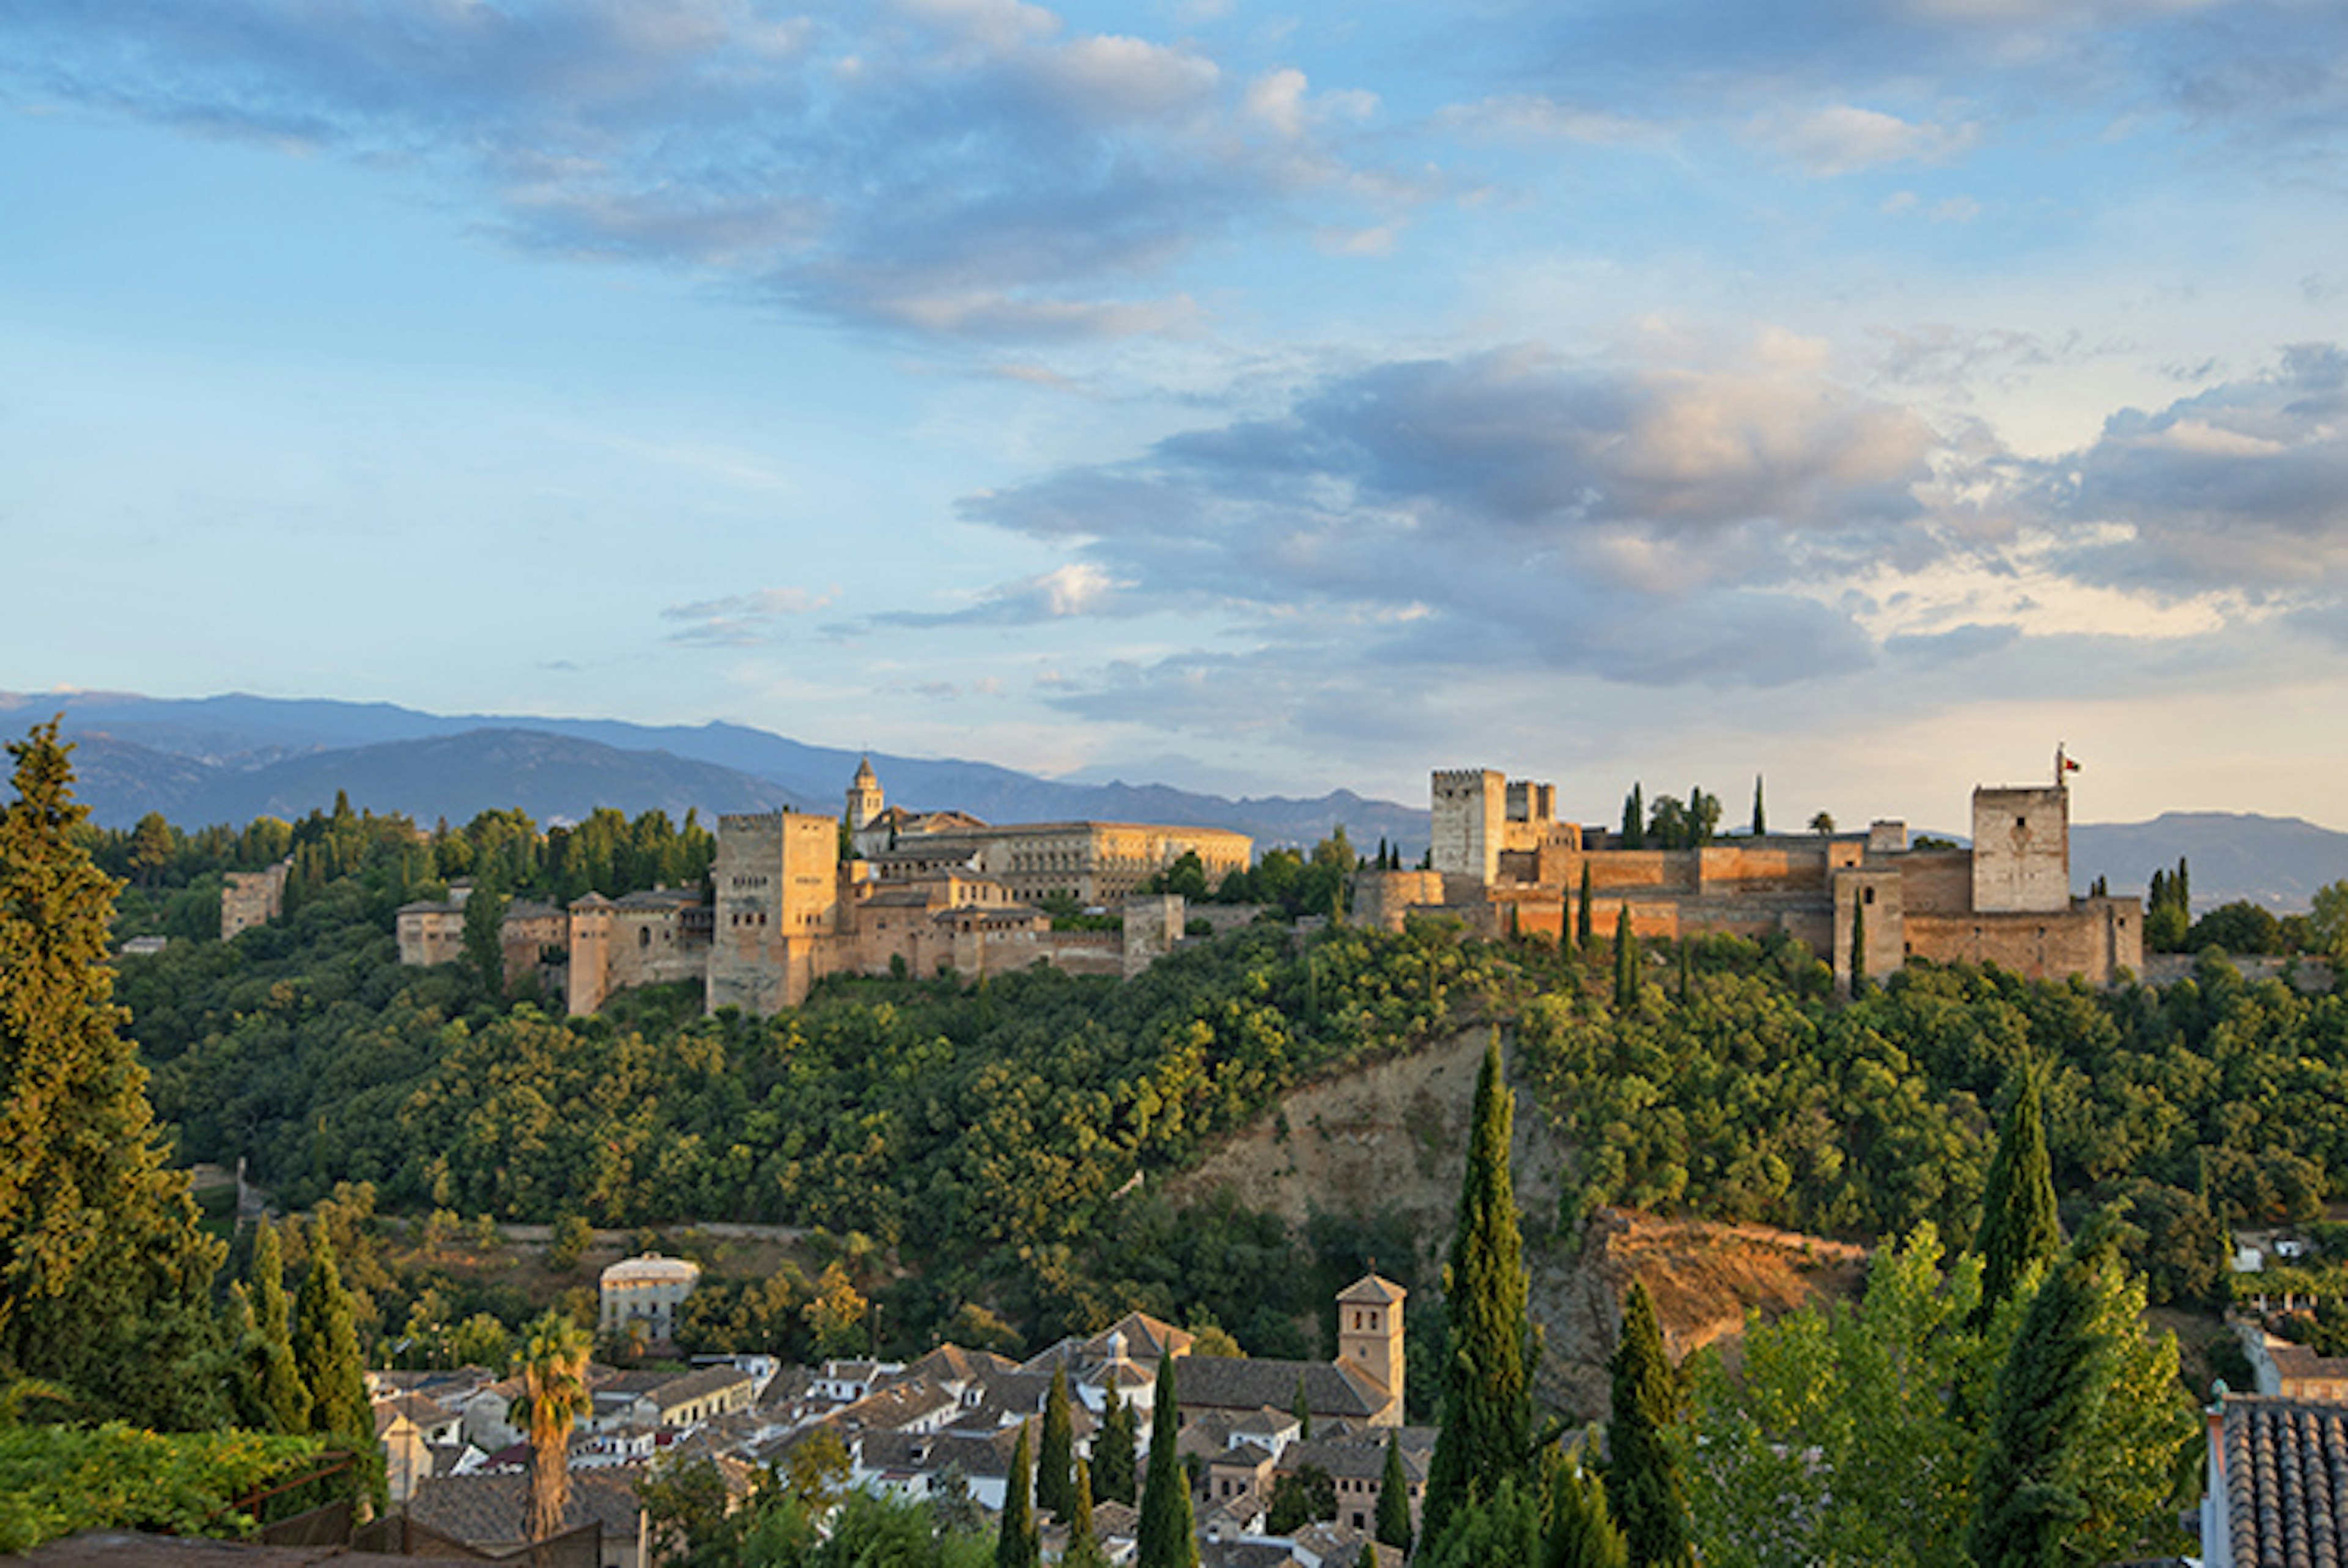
(554, 1391)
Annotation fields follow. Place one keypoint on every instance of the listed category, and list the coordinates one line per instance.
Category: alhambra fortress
(919, 893)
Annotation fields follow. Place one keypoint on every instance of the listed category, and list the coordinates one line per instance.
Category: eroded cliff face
(1390, 1137)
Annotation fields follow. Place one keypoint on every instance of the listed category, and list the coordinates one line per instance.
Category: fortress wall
(1937, 882)
(1731, 868)
(1382, 899)
(1626, 870)
(2038, 946)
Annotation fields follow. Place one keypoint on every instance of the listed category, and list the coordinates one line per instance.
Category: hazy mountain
(2277, 861)
(230, 758)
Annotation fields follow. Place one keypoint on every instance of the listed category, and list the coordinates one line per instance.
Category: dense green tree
(275, 1393)
(1393, 1522)
(1302, 1408)
(1168, 1538)
(1015, 1543)
(1822, 823)
(1487, 1416)
(1626, 962)
(2239, 927)
(2019, 1230)
(151, 846)
(1056, 1460)
(1113, 1449)
(1642, 1478)
(485, 954)
(105, 1280)
(1580, 1531)
(1760, 817)
(1497, 1529)
(2328, 921)
(1299, 1497)
(1585, 922)
(1634, 819)
(2030, 1502)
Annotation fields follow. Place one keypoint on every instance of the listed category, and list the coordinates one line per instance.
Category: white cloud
(1842, 139)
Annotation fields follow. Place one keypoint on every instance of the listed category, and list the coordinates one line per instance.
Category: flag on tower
(2063, 765)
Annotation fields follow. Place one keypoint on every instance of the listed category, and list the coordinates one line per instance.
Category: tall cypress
(326, 1353)
(1634, 818)
(1488, 1412)
(1642, 1479)
(1760, 818)
(1585, 927)
(1626, 962)
(2027, 1500)
(1016, 1546)
(2019, 1228)
(1393, 1521)
(1056, 1464)
(1858, 949)
(1168, 1539)
(1084, 1549)
(274, 1389)
(105, 1276)
(1581, 1532)
(1113, 1473)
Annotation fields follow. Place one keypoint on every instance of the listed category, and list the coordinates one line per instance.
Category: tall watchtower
(2022, 850)
(1470, 816)
(1369, 1338)
(865, 800)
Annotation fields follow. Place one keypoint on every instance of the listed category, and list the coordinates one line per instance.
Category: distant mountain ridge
(232, 758)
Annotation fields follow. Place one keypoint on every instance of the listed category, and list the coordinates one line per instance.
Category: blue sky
(1865, 393)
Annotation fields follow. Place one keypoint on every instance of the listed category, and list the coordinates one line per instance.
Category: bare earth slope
(1392, 1136)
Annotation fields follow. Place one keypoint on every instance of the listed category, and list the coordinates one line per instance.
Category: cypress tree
(2019, 1227)
(1168, 1537)
(1112, 1453)
(326, 1353)
(1084, 1546)
(1056, 1464)
(105, 1277)
(1760, 818)
(1643, 1480)
(485, 914)
(1393, 1521)
(1487, 1415)
(1858, 949)
(1584, 929)
(1687, 967)
(1626, 962)
(1302, 1408)
(1581, 1532)
(2027, 1500)
(1016, 1546)
(1634, 818)
(275, 1390)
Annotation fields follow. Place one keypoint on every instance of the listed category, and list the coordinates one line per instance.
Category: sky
(1865, 395)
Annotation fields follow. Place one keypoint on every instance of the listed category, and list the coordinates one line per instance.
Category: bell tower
(1369, 1339)
(865, 800)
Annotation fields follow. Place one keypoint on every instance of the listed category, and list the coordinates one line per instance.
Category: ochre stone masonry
(1504, 865)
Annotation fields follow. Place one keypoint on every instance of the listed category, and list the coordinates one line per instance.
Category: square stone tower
(2022, 850)
(777, 885)
(1369, 1336)
(1470, 819)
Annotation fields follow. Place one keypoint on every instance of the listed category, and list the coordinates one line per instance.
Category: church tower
(1369, 1339)
(865, 800)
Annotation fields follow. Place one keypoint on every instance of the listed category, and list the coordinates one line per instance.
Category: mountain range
(232, 758)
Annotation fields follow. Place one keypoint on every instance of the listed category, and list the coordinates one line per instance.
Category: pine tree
(1016, 1546)
(1585, 928)
(1858, 949)
(276, 1392)
(1168, 1539)
(1760, 817)
(104, 1278)
(1643, 1480)
(1487, 1415)
(1626, 962)
(1393, 1521)
(1056, 1464)
(1112, 1453)
(2019, 1228)
(1581, 1532)
(1084, 1545)
(2028, 1498)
